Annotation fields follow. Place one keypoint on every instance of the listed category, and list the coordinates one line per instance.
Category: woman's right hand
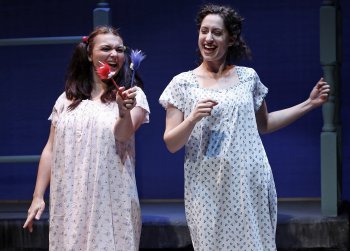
(178, 129)
(202, 109)
(128, 100)
(34, 212)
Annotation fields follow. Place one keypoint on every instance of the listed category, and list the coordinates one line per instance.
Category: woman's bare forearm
(177, 137)
(44, 169)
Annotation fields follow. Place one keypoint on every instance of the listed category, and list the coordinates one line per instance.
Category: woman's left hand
(319, 94)
(128, 101)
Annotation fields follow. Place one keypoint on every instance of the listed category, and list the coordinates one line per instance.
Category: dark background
(284, 38)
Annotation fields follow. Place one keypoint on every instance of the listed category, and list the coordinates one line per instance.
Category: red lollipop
(104, 72)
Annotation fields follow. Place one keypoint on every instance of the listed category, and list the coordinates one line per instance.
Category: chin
(210, 59)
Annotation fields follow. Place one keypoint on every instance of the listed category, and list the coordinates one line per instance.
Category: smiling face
(213, 40)
(108, 48)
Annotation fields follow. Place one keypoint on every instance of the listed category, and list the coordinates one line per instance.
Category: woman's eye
(120, 49)
(217, 32)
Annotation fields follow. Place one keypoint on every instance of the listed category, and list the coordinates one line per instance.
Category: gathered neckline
(236, 69)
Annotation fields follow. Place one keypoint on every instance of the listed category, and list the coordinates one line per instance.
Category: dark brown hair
(233, 24)
(79, 77)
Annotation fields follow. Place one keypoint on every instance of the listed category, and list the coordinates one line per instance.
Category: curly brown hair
(233, 24)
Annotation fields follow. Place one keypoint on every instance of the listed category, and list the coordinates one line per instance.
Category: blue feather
(136, 58)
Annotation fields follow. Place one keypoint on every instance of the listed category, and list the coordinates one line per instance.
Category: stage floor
(301, 226)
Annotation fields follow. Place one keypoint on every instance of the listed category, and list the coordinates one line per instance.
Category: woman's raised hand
(128, 99)
(202, 109)
(319, 94)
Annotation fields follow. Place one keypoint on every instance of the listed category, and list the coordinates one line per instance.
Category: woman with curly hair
(217, 111)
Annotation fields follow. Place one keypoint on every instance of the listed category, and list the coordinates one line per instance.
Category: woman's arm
(130, 117)
(43, 178)
(269, 122)
(178, 129)
(127, 125)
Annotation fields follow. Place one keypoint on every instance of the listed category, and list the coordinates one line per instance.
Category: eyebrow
(109, 45)
(213, 28)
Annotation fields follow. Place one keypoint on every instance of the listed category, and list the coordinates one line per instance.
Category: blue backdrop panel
(284, 38)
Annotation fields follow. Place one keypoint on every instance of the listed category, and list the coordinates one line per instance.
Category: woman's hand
(178, 129)
(34, 212)
(128, 101)
(269, 122)
(202, 109)
(319, 94)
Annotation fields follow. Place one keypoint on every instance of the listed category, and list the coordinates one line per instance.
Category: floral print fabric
(94, 203)
(230, 196)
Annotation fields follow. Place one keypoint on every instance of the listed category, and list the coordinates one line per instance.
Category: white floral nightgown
(230, 196)
(94, 203)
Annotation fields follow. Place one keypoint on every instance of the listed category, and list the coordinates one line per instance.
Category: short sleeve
(259, 91)
(58, 108)
(141, 101)
(173, 94)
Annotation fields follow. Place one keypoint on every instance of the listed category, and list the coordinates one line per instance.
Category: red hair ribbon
(85, 39)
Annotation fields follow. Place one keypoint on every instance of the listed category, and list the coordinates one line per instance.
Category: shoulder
(62, 101)
(247, 74)
(245, 70)
(60, 106)
(61, 98)
(183, 77)
(140, 91)
(141, 100)
(140, 94)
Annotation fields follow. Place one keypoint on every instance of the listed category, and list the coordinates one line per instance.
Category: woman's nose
(209, 36)
(114, 53)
